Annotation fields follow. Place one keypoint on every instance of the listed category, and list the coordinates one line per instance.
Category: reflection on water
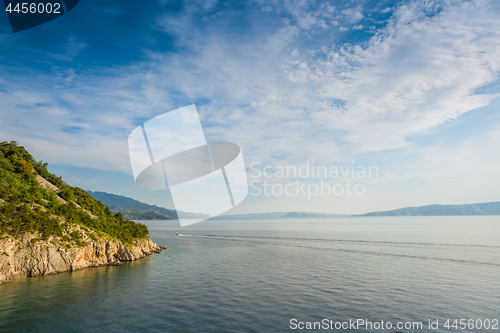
(256, 275)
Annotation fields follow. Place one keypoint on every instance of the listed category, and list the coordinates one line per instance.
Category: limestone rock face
(20, 257)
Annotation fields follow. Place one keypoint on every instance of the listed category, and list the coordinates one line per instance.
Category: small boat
(177, 234)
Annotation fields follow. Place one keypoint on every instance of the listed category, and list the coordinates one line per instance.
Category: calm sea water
(257, 275)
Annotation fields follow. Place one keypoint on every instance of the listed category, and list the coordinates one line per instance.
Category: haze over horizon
(408, 87)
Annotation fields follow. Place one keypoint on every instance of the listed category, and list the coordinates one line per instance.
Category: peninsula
(48, 226)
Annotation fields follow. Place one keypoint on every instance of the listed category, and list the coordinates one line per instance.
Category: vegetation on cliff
(28, 207)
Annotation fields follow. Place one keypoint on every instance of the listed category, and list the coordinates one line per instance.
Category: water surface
(256, 275)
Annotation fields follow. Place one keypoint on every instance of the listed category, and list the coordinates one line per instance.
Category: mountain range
(490, 208)
(135, 210)
(278, 215)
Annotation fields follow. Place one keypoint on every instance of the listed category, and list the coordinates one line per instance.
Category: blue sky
(408, 86)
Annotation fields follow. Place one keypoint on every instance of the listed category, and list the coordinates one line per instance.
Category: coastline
(27, 256)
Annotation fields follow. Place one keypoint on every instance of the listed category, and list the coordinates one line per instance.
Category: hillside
(136, 210)
(133, 209)
(490, 208)
(47, 226)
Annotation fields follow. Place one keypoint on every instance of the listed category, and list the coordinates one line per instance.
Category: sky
(407, 87)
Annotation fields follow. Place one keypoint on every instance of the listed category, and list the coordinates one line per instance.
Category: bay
(258, 275)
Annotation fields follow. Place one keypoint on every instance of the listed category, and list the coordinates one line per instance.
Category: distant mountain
(136, 210)
(278, 215)
(490, 208)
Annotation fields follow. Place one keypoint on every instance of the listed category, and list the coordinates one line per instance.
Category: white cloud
(417, 73)
(354, 14)
(322, 102)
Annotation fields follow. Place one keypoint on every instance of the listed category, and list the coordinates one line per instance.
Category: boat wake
(263, 241)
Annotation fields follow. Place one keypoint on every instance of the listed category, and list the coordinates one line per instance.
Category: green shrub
(25, 198)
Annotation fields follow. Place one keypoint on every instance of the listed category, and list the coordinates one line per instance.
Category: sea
(357, 274)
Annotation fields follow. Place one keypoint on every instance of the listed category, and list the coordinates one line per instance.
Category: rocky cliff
(48, 226)
(28, 256)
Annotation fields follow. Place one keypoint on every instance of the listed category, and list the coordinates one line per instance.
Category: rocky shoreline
(27, 256)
